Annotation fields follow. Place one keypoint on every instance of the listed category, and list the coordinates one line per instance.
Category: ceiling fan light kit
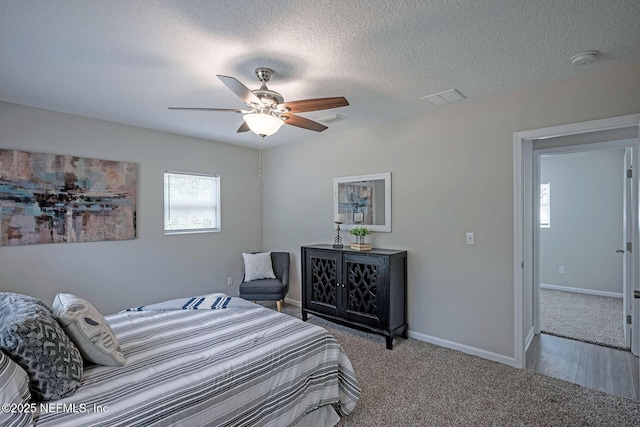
(267, 109)
(263, 124)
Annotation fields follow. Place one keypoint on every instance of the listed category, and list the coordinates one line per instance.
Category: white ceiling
(127, 61)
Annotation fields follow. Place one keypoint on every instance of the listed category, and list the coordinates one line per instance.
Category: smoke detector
(584, 58)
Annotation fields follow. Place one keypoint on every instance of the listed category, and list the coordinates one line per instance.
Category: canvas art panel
(355, 202)
(51, 198)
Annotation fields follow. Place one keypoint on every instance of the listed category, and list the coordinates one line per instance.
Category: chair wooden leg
(280, 304)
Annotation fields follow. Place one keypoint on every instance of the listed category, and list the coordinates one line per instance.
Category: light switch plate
(471, 239)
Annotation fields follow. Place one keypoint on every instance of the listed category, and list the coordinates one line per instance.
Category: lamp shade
(263, 124)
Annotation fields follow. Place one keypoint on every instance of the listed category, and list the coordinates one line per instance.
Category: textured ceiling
(127, 61)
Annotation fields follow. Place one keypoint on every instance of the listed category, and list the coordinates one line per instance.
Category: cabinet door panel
(363, 289)
(323, 273)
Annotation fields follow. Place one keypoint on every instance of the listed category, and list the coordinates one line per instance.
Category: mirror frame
(386, 176)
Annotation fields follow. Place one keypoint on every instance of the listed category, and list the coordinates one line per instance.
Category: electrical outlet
(229, 281)
(561, 269)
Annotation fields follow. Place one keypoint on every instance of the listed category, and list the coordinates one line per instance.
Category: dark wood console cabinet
(362, 289)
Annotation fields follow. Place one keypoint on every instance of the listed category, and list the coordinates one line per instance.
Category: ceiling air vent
(445, 97)
(332, 118)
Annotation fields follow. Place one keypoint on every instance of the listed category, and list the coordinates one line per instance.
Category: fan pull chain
(260, 158)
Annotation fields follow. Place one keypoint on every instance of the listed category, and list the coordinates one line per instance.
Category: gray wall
(586, 220)
(153, 267)
(452, 173)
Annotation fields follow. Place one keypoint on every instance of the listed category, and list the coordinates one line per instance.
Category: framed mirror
(363, 200)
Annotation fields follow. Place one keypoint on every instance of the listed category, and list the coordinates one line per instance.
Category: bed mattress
(237, 366)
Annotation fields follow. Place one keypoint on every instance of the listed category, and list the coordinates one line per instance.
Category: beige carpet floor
(420, 384)
(589, 318)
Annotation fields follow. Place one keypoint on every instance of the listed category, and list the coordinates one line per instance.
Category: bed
(237, 365)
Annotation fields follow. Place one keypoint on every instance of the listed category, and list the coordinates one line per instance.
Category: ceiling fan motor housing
(268, 97)
(271, 99)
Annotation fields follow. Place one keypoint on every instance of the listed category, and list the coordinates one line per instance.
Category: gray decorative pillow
(14, 390)
(88, 329)
(258, 266)
(32, 337)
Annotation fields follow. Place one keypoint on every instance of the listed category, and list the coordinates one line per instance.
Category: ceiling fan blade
(241, 90)
(244, 127)
(232, 110)
(301, 122)
(316, 104)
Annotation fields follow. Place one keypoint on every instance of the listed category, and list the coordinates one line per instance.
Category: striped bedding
(243, 365)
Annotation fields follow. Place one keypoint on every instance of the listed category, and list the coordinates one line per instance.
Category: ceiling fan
(267, 110)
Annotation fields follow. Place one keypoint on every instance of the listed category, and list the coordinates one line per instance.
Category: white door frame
(627, 260)
(523, 220)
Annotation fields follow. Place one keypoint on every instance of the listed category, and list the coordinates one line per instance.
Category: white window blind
(545, 205)
(191, 203)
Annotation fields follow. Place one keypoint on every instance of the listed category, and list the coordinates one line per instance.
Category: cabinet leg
(405, 333)
(304, 315)
(389, 343)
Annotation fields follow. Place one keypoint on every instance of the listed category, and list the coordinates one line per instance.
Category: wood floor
(602, 368)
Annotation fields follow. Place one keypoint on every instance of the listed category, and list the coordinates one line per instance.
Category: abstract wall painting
(356, 198)
(363, 200)
(50, 198)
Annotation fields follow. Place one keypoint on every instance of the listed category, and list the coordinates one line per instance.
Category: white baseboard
(293, 302)
(511, 361)
(448, 344)
(581, 291)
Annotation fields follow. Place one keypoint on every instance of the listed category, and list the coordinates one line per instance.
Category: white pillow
(258, 266)
(14, 389)
(88, 329)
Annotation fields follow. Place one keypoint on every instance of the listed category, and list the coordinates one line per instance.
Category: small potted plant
(360, 233)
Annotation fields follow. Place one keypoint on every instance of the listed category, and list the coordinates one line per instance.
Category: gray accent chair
(270, 289)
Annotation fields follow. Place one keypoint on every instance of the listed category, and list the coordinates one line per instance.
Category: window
(545, 205)
(191, 203)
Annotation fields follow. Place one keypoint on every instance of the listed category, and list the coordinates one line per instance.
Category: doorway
(581, 243)
(580, 320)
(526, 295)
